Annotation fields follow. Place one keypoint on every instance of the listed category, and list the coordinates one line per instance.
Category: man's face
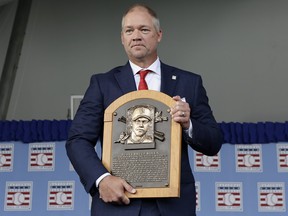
(139, 36)
(140, 126)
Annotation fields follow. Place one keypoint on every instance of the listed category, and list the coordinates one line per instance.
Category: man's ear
(160, 34)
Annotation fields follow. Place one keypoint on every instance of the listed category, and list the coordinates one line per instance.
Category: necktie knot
(142, 84)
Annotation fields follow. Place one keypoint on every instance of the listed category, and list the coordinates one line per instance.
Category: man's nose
(136, 35)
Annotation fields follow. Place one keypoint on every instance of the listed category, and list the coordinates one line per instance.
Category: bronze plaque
(139, 136)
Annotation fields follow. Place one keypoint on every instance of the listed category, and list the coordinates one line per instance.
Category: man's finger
(125, 200)
(129, 188)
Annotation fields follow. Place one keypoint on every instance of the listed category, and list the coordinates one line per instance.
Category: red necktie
(142, 84)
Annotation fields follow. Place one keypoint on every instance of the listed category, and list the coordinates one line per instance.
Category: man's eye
(129, 31)
(145, 30)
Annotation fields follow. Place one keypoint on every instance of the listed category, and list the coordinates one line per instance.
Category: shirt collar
(155, 67)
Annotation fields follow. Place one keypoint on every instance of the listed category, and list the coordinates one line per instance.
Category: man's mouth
(137, 45)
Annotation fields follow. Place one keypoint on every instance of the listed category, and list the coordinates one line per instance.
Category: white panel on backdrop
(271, 197)
(41, 156)
(282, 157)
(60, 195)
(75, 101)
(18, 196)
(248, 158)
(229, 196)
(6, 157)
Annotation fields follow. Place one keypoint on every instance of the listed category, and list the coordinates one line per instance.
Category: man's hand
(112, 190)
(181, 112)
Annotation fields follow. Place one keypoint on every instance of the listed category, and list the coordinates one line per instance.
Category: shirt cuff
(189, 131)
(100, 178)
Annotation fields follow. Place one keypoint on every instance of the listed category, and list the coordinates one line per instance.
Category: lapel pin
(174, 77)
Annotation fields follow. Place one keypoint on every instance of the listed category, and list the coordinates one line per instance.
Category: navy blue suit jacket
(87, 129)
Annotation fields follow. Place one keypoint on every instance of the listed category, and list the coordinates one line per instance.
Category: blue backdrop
(248, 176)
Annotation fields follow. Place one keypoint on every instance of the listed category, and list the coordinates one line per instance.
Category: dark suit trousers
(149, 208)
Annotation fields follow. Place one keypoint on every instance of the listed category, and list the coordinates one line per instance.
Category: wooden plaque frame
(173, 187)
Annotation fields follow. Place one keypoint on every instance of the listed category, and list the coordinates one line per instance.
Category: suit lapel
(169, 80)
(125, 79)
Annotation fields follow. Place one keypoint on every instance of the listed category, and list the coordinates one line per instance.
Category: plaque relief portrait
(140, 124)
(140, 130)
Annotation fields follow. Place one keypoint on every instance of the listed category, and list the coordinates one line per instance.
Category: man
(140, 37)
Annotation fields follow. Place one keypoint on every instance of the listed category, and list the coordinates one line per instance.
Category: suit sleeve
(207, 137)
(85, 131)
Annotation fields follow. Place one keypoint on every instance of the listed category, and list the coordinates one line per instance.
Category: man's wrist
(189, 131)
(101, 178)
